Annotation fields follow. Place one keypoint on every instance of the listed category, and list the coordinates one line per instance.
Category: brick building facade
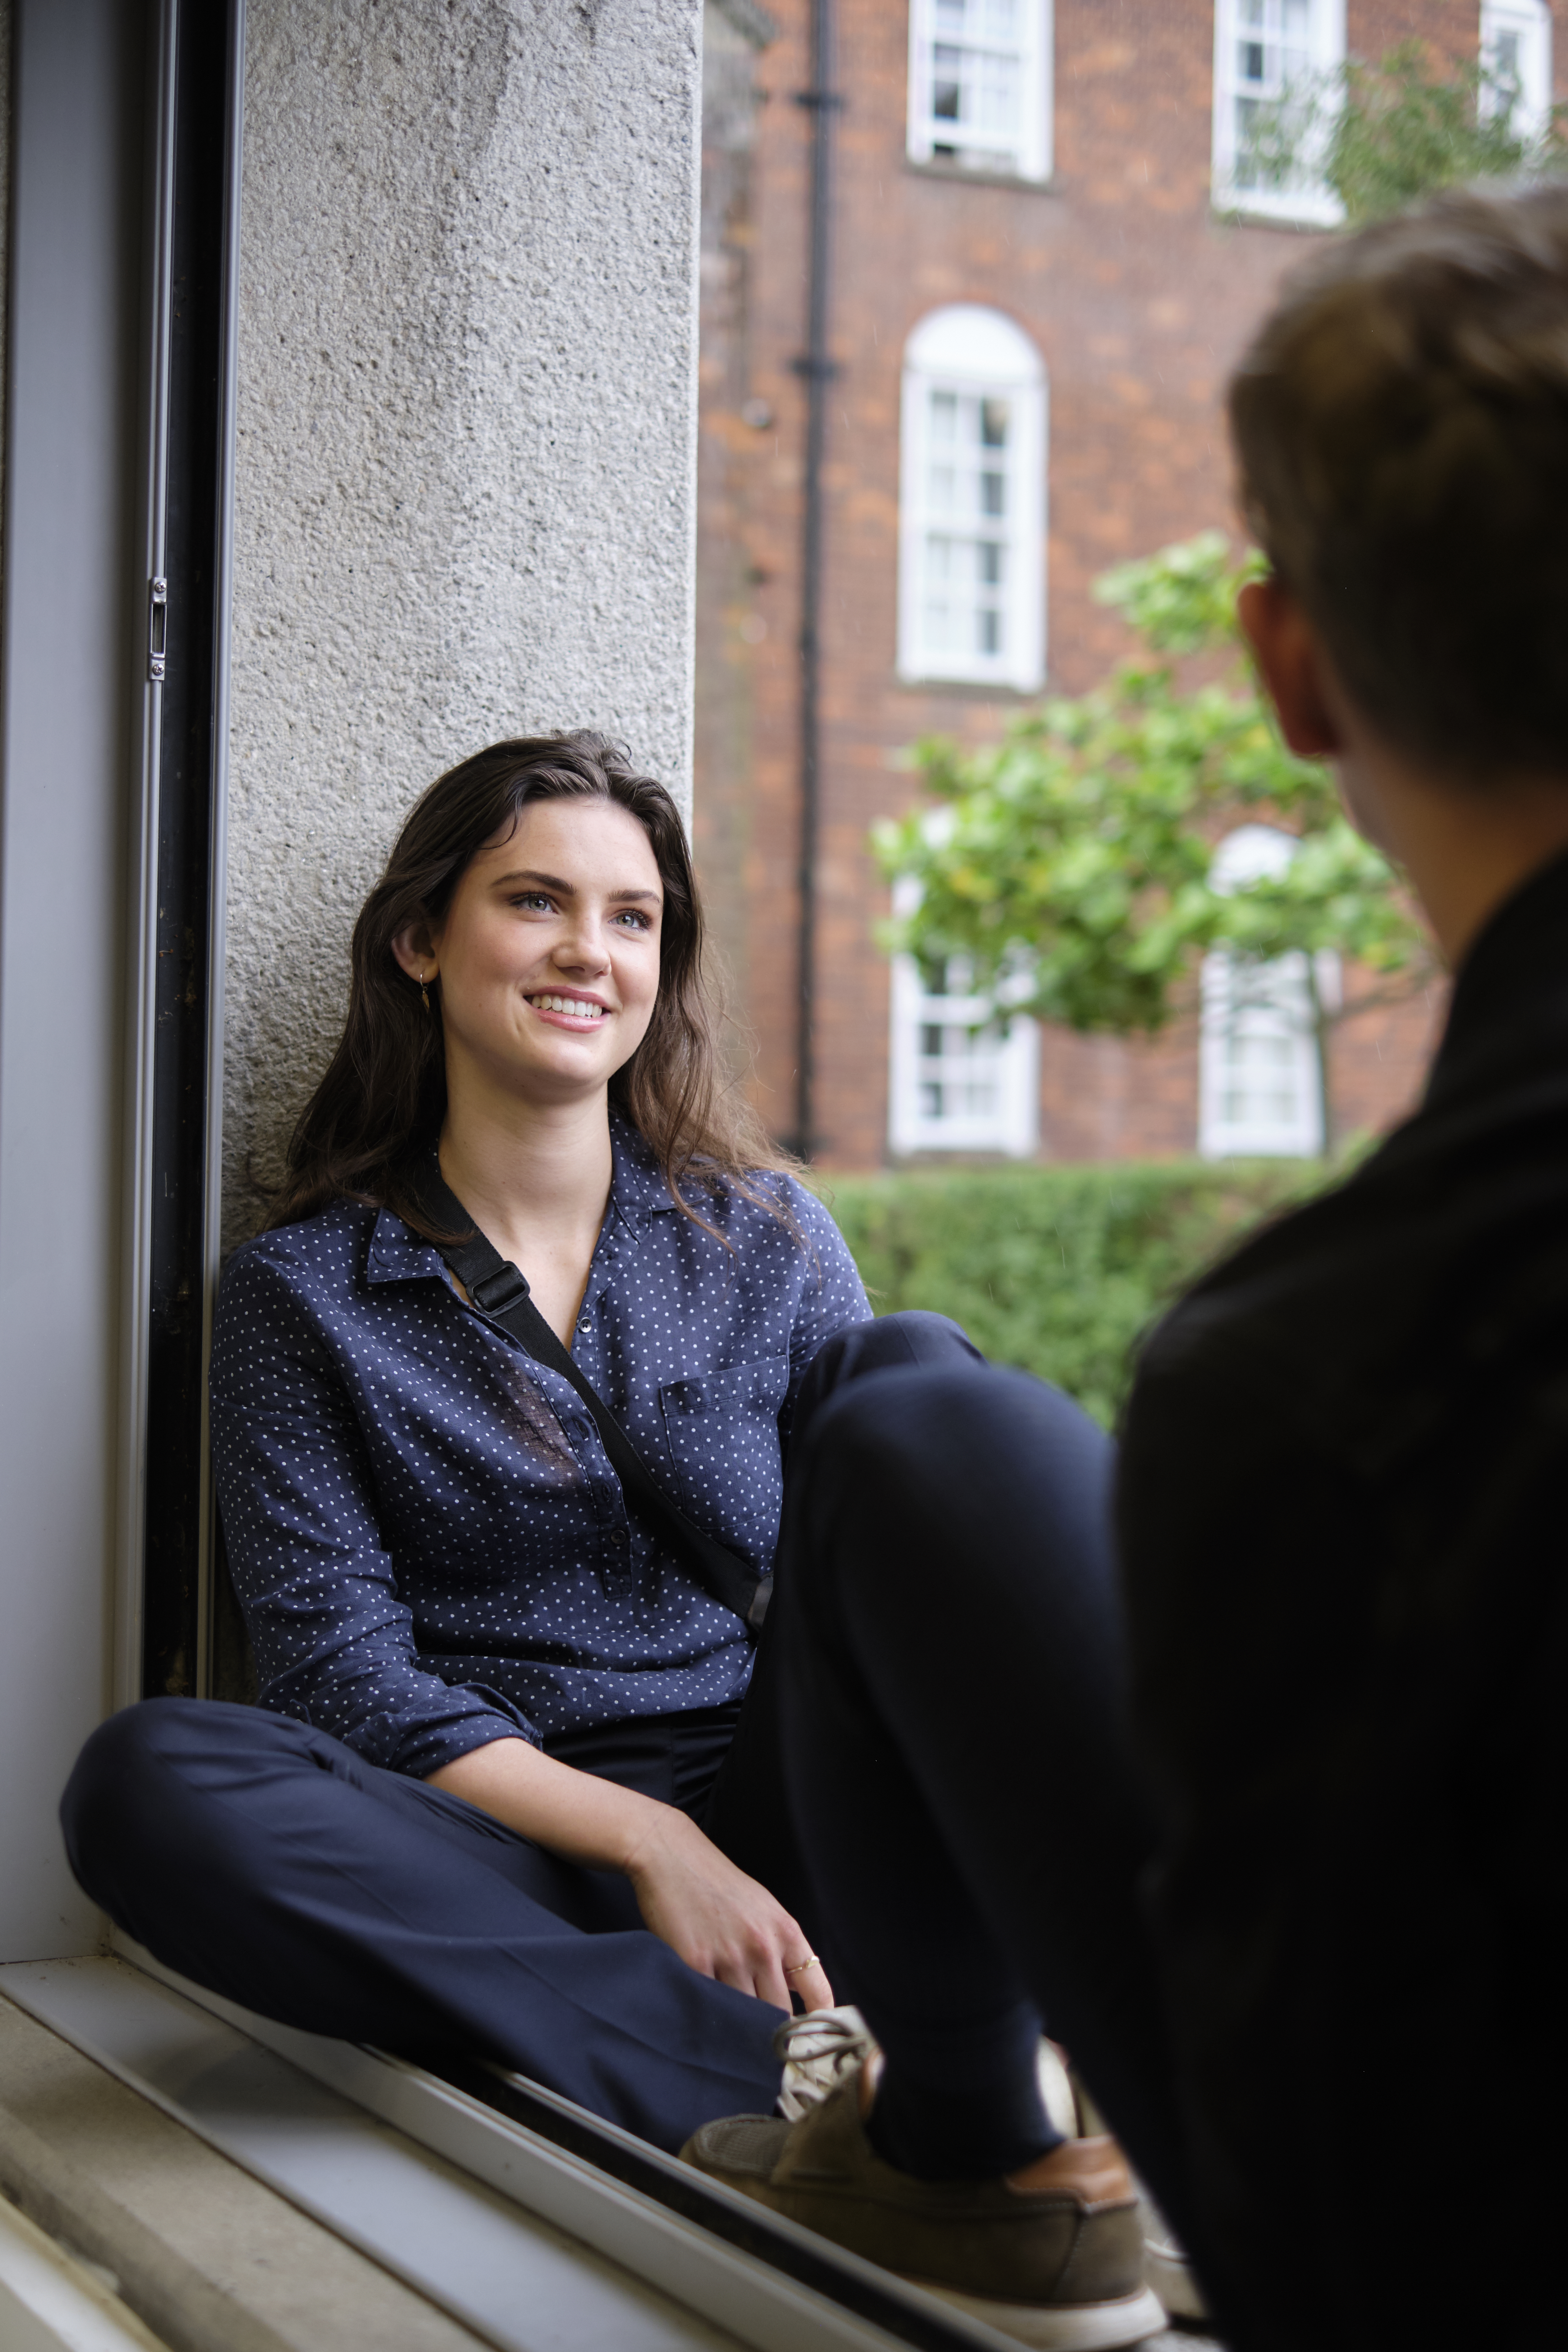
(1137, 293)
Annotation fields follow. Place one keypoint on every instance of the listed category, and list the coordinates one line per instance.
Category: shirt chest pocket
(723, 1431)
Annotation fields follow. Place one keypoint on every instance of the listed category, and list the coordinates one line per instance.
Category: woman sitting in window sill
(499, 1710)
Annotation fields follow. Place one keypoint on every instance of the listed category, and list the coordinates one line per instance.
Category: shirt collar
(637, 1188)
(637, 1191)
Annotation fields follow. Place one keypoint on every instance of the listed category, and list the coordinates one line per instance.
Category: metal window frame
(165, 1554)
(766, 2280)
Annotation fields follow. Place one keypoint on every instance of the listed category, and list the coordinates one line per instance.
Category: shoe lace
(818, 2050)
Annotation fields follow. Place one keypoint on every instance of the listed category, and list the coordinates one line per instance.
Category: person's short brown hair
(1401, 424)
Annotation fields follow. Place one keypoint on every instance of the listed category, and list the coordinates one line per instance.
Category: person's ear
(415, 951)
(1293, 664)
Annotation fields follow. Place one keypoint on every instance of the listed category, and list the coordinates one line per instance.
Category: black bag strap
(500, 1290)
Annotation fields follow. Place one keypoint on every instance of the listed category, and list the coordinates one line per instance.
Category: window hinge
(157, 628)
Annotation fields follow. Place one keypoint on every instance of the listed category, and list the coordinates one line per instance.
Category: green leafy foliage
(1383, 135)
(1057, 1268)
(1407, 127)
(1070, 867)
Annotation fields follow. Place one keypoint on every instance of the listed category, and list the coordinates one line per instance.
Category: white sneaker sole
(1063, 2326)
(1170, 2276)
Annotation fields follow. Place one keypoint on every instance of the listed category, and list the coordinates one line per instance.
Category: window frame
(1234, 988)
(1013, 1129)
(1277, 991)
(1533, 19)
(1033, 149)
(1313, 206)
(973, 351)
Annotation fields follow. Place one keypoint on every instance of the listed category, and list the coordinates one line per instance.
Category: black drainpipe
(818, 370)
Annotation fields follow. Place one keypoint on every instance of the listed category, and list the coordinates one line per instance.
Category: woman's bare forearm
(572, 1813)
(721, 1922)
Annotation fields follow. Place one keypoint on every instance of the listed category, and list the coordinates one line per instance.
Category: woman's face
(549, 953)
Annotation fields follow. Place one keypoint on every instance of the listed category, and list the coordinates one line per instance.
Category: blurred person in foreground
(1237, 1757)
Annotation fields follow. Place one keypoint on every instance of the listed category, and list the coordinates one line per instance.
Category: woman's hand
(721, 1922)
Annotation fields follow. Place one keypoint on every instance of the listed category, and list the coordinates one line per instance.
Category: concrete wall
(466, 466)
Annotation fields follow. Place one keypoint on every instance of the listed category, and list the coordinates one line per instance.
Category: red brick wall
(1139, 300)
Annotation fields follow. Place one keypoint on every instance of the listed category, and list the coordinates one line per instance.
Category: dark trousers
(950, 1660)
(268, 1862)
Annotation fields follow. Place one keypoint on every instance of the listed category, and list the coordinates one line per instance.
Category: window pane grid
(978, 84)
(1259, 1083)
(1516, 53)
(1274, 64)
(961, 1081)
(970, 501)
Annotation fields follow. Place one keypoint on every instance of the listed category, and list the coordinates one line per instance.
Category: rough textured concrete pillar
(466, 475)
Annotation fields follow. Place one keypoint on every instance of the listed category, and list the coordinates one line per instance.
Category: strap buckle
(501, 1289)
(759, 1607)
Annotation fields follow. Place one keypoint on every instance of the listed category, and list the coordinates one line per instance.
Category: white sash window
(1259, 1077)
(1516, 50)
(1274, 67)
(971, 503)
(980, 85)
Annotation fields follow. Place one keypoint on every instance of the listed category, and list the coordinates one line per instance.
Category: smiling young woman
(512, 1783)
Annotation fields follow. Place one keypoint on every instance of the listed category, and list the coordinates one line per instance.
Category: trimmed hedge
(1059, 1267)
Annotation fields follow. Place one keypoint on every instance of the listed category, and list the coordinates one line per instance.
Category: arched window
(971, 518)
(1260, 1089)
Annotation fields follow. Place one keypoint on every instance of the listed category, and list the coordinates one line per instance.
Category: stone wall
(465, 449)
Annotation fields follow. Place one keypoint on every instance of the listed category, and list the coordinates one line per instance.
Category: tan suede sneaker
(1060, 2266)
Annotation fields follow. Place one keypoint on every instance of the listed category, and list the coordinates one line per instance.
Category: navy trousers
(268, 1862)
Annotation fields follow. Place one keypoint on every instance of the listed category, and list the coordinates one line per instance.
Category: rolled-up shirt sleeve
(333, 1640)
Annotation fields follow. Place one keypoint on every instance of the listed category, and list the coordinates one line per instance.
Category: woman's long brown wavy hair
(384, 1096)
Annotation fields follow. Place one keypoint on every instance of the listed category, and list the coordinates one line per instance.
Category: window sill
(970, 689)
(1238, 212)
(935, 169)
(515, 2213)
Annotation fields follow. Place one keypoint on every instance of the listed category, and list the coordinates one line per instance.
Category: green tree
(1069, 868)
(1382, 135)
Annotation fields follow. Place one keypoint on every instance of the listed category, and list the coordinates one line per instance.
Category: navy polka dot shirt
(427, 1537)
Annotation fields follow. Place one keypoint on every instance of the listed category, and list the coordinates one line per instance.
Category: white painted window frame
(1312, 203)
(1532, 21)
(1026, 157)
(970, 350)
(1268, 1002)
(1010, 1057)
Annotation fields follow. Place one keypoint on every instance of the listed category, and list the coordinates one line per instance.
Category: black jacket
(1343, 1507)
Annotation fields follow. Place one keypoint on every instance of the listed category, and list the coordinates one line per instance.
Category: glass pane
(994, 414)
